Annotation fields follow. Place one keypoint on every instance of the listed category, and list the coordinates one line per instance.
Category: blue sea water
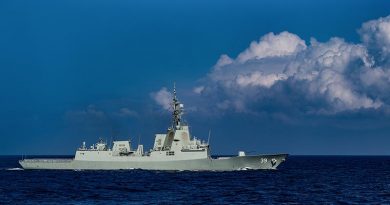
(300, 180)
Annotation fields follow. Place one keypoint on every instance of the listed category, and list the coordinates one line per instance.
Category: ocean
(300, 180)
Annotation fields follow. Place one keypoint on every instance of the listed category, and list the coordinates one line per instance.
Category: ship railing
(49, 160)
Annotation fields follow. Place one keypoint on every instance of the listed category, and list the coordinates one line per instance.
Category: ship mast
(177, 110)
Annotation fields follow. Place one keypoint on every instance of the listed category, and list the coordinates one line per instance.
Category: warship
(174, 150)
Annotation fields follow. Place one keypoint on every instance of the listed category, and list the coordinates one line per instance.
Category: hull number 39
(265, 160)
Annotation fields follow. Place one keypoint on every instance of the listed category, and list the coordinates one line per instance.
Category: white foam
(14, 169)
(244, 168)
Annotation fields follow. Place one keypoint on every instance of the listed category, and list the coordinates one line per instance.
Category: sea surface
(300, 180)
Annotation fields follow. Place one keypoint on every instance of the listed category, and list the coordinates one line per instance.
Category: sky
(299, 77)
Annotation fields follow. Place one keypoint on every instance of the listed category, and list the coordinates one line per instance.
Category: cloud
(224, 60)
(272, 45)
(281, 72)
(89, 118)
(259, 79)
(126, 112)
(375, 35)
(90, 112)
(163, 98)
(198, 90)
(107, 118)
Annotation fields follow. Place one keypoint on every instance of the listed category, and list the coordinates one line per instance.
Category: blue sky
(73, 71)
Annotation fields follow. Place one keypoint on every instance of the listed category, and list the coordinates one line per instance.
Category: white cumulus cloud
(163, 98)
(375, 35)
(272, 45)
(282, 72)
(257, 78)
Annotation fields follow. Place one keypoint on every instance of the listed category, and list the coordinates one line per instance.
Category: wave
(14, 169)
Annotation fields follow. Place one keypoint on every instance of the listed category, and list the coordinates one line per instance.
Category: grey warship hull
(206, 164)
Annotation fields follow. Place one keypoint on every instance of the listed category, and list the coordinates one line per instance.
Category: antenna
(177, 110)
(174, 90)
(111, 142)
